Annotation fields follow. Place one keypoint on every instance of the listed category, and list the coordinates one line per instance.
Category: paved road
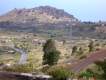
(23, 58)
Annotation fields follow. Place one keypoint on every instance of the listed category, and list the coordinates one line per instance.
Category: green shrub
(60, 73)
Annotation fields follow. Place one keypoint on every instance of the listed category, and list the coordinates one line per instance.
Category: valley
(41, 40)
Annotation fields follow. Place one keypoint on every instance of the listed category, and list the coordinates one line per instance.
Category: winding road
(23, 58)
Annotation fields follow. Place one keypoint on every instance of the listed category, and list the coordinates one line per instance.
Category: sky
(84, 10)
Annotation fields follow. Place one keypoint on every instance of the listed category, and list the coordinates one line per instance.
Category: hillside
(44, 20)
(42, 14)
(50, 22)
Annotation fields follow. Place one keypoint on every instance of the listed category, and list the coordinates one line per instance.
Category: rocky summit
(42, 14)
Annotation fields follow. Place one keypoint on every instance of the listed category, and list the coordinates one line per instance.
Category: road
(23, 58)
(92, 58)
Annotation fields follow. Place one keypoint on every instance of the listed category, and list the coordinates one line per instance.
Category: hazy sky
(87, 10)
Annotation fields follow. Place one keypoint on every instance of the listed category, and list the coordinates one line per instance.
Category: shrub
(60, 73)
(74, 50)
(26, 68)
(91, 46)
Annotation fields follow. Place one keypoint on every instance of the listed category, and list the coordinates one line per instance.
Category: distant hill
(42, 14)
(52, 22)
(90, 30)
(45, 20)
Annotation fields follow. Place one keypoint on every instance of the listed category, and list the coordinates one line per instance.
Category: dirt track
(93, 57)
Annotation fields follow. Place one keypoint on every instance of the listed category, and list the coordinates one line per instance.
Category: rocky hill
(43, 20)
(42, 14)
(52, 22)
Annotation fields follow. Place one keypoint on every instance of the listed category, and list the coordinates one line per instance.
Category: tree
(51, 55)
(91, 46)
(74, 50)
(49, 46)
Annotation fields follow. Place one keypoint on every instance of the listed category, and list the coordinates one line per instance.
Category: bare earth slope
(93, 57)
